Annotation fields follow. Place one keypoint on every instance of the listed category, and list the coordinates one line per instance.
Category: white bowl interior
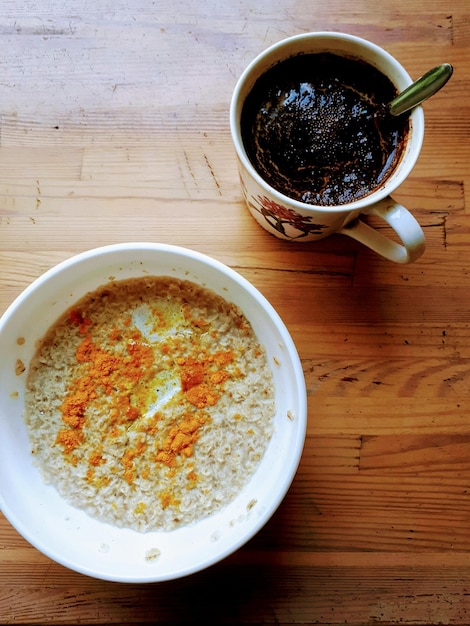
(68, 535)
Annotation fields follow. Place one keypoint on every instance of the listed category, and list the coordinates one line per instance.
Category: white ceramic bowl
(68, 535)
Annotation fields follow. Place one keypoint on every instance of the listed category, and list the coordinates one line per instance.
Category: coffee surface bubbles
(316, 129)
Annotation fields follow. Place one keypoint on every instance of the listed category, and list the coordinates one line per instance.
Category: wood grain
(113, 128)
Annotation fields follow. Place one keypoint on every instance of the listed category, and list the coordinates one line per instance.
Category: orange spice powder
(103, 372)
(180, 440)
(199, 379)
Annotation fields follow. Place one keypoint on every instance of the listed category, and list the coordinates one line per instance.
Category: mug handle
(402, 222)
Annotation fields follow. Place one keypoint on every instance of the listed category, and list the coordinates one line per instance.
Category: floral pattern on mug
(279, 216)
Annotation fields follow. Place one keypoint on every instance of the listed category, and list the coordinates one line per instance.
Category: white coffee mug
(291, 219)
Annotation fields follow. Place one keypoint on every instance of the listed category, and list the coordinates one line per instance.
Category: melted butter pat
(162, 320)
(166, 385)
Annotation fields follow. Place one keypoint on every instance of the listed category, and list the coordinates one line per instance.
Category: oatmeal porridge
(150, 403)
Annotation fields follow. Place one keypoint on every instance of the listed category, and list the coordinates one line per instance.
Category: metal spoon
(421, 89)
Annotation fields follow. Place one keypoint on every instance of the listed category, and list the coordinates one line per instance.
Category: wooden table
(114, 127)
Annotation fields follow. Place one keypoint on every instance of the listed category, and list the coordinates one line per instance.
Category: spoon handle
(421, 89)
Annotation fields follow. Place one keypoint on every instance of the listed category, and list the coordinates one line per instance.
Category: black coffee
(315, 128)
